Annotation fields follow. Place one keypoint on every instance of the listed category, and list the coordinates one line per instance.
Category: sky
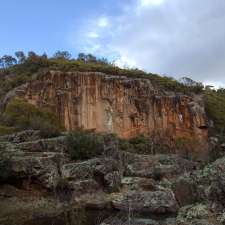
(170, 37)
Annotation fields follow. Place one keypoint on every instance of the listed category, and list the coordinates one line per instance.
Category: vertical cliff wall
(117, 104)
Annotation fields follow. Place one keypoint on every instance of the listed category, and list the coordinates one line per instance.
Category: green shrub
(215, 109)
(5, 165)
(125, 145)
(4, 130)
(141, 144)
(84, 145)
(23, 115)
(187, 147)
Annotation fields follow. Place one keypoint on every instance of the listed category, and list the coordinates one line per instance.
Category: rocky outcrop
(42, 185)
(117, 104)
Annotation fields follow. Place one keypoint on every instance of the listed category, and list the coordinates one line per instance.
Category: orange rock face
(116, 104)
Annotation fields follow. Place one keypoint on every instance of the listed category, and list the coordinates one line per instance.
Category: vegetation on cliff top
(15, 71)
(215, 108)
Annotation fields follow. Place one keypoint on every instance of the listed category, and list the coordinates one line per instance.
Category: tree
(91, 58)
(20, 56)
(65, 55)
(188, 82)
(7, 61)
(81, 57)
(104, 61)
(32, 56)
(1, 63)
(44, 56)
(88, 58)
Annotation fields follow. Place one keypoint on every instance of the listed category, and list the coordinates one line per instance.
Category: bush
(84, 145)
(5, 166)
(215, 109)
(23, 115)
(141, 144)
(186, 146)
(4, 130)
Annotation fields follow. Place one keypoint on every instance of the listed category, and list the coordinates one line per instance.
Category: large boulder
(105, 171)
(185, 190)
(158, 202)
(157, 166)
(41, 168)
(205, 184)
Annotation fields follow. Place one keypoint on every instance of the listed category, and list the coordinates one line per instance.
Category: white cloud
(123, 62)
(178, 38)
(103, 22)
(145, 3)
(92, 35)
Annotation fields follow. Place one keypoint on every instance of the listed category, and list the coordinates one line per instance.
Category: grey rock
(57, 144)
(157, 166)
(125, 221)
(23, 136)
(104, 170)
(158, 202)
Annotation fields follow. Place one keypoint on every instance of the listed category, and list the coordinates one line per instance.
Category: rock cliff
(117, 104)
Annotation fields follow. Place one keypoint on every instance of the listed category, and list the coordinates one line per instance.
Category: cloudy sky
(170, 37)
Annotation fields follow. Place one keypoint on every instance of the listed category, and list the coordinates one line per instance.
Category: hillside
(83, 142)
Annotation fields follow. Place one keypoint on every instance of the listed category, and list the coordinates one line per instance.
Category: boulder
(158, 202)
(185, 190)
(157, 166)
(105, 171)
(41, 168)
(139, 183)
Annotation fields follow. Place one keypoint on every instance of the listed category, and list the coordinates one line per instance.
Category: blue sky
(170, 37)
(46, 25)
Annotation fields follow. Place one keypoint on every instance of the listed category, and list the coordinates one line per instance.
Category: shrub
(141, 144)
(215, 109)
(4, 130)
(187, 146)
(5, 165)
(23, 115)
(84, 145)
